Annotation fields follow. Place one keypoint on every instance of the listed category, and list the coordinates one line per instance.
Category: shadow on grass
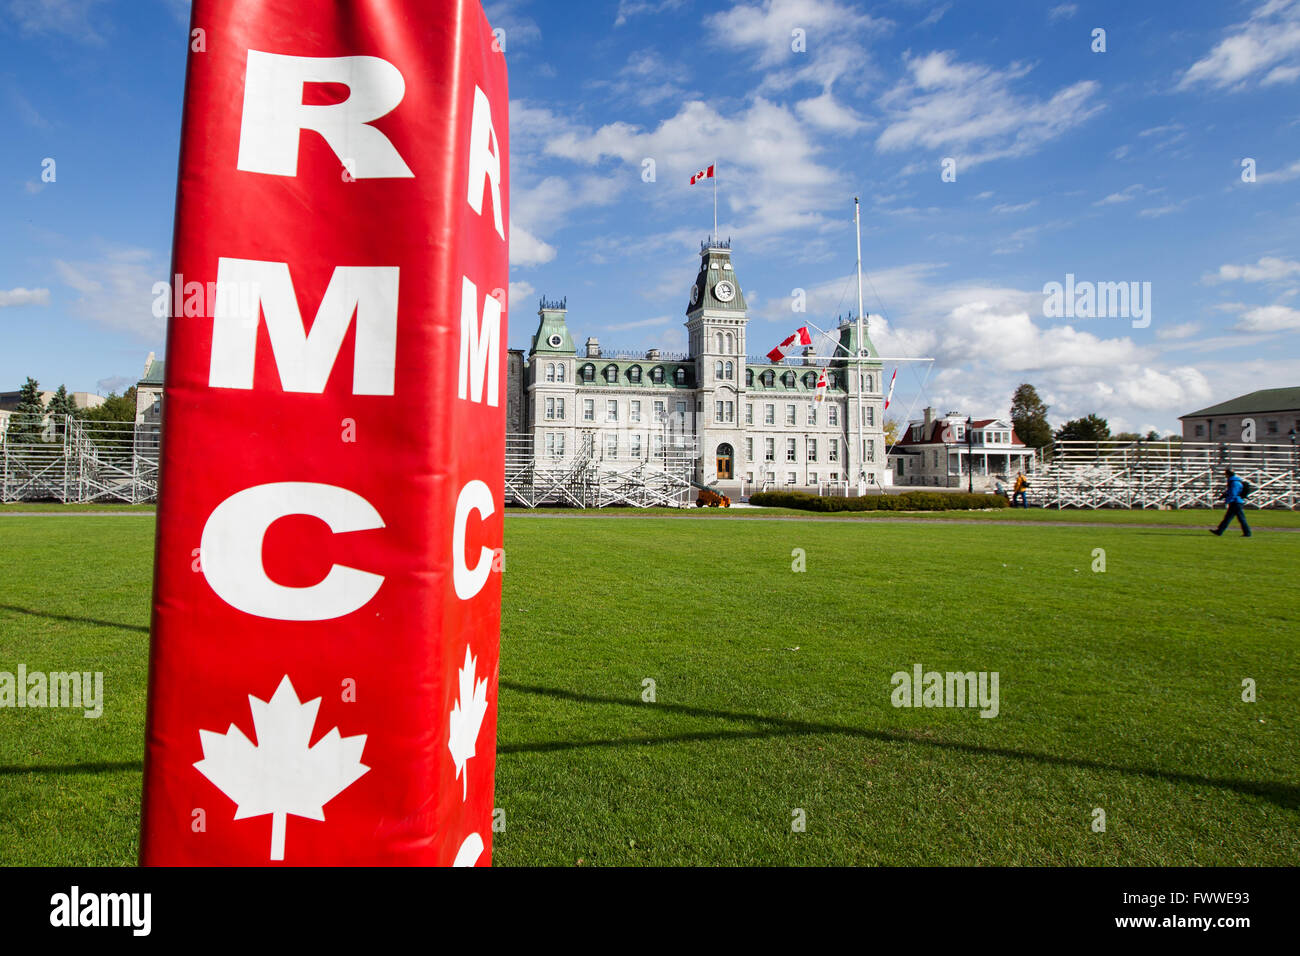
(1284, 795)
(75, 620)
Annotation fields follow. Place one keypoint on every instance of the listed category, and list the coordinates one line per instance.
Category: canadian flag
(890, 397)
(702, 174)
(821, 387)
(800, 337)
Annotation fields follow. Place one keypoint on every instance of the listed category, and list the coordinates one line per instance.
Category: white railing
(1164, 474)
(80, 461)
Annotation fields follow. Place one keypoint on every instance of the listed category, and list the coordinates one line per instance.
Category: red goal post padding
(324, 657)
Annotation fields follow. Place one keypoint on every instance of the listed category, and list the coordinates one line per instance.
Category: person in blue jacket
(1232, 498)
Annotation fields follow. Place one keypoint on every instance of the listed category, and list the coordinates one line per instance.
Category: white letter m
(304, 359)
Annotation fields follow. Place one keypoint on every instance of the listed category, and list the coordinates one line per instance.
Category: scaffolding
(1164, 474)
(75, 461)
(589, 479)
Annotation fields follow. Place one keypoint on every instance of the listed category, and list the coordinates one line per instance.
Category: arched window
(730, 372)
(634, 374)
(867, 382)
(611, 374)
(680, 376)
(749, 378)
(717, 370)
(559, 372)
(719, 342)
(550, 371)
(787, 379)
(769, 378)
(810, 380)
(657, 375)
(588, 373)
(731, 344)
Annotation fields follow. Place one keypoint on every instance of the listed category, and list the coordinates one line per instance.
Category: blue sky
(1115, 166)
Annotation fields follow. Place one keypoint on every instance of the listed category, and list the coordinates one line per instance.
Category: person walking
(1019, 491)
(1233, 499)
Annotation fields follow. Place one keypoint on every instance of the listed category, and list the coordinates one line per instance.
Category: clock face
(724, 291)
(695, 294)
(555, 340)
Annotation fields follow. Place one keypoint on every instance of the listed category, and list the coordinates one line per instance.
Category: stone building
(1270, 416)
(745, 423)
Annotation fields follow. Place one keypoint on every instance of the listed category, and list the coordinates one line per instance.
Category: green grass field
(1119, 690)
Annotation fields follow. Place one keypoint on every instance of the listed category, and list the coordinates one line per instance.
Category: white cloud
(634, 8)
(973, 113)
(1282, 175)
(22, 296)
(74, 18)
(1184, 330)
(825, 112)
(1063, 12)
(1267, 269)
(114, 383)
(117, 290)
(768, 27)
(1005, 208)
(520, 291)
(763, 145)
(526, 249)
(1268, 41)
(1124, 195)
(1269, 318)
(1155, 212)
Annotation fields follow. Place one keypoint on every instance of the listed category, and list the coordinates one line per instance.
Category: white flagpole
(861, 450)
(715, 201)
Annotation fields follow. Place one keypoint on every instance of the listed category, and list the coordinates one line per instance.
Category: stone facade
(745, 422)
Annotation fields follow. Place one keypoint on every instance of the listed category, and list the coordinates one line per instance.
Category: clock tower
(715, 324)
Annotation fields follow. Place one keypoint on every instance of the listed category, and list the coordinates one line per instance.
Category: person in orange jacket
(1018, 491)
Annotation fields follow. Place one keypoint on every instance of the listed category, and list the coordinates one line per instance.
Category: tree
(1090, 428)
(61, 406)
(117, 412)
(891, 430)
(1029, 416)
(28, 421)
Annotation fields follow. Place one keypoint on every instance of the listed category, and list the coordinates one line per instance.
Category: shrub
(907, 501)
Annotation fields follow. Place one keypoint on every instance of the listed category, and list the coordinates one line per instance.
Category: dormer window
(768, 378)
(611, 374)
(810, 380)
(680, 376)
(787, 379)
(588, 373)
(749, 378)
(634, 374)
(657, 375)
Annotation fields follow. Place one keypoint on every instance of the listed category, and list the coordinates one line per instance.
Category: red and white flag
(324, 644)
(890, 397)
(800, 337)
(702, 174)
(821, 387)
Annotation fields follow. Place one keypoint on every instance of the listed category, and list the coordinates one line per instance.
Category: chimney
(929, 417)
(809, 355)
(593, 348)
(652, 355)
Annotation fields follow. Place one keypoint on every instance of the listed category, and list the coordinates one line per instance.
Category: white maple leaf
(466, 719)
(281, 774)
